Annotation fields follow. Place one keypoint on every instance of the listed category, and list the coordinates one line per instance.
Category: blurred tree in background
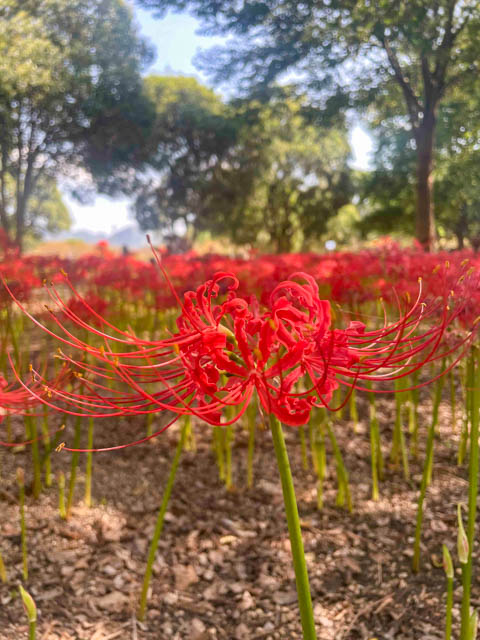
(191, 134)
(71, 100)
(259, 171)
(411, 55)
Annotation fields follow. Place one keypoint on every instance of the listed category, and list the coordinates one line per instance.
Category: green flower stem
(228, 440)
(251, 419)
(375, 449)
(31, 431)
(303, 447)
(468, 386)
(448, 612)
(159, 524)
(3, 571)
(453, 399)
(344, 496)
(89, 466)
(427, 472)
(219, 451)
(74, 464)
(473, 469)
(23, 528)
(61, 495)
(353, 410)
(321, 462)
(294, 530)
(47, 461)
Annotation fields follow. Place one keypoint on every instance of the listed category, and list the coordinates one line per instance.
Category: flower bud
(462, 540)
(447, 563)
(29, 604)
(20, 477)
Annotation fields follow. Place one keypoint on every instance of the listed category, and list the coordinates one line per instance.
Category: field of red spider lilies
(306, 460)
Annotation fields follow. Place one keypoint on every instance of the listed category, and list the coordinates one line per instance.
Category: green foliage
(259, 171)
(45, 210)
(401, 63)
(192, 131)
(70, 96)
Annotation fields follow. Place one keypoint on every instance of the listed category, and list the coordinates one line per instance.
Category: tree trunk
(461, 228)
(425, 216)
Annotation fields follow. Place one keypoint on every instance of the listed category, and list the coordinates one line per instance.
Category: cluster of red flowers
(347, 278)
(228, 345)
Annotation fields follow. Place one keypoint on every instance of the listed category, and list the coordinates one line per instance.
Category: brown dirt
(223, 568)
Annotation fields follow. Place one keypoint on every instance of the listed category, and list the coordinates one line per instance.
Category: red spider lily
(22, 400)
(226, 348)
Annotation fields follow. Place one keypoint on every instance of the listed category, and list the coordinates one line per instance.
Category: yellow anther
(64, 273)
(60, 447)
(176, 348)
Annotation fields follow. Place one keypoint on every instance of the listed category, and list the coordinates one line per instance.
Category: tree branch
(413, 105)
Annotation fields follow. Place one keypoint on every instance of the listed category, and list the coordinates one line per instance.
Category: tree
(256, 171)
(45, 210)
(386, 191)
(191, 133)
(284, 178)
(71, 100)
(355, 52)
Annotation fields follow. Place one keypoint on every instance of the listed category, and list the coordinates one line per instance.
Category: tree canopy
(71, 98)
(259, 171)
(353, 53)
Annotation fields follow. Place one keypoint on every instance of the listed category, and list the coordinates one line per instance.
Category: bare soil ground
(223, 569)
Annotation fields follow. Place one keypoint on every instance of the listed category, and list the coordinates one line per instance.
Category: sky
(177, 43)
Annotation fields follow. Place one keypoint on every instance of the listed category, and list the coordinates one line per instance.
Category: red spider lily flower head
(227, 346)
(22, 400)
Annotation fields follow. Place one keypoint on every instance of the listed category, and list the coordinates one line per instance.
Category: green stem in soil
(344, 496)
(294, 530)
(374, 447)
(426, 474)
(219, 451)
(449, 574)
(74, 464)
(473, 468)
(89, 465)
(229, 436)
(47, 461)
(31, 431)
(23, 528)
(453, 399)
(149, 421)
(61, 495)
(159, 524)
(449, 607)
(321, 462)
(353, 410)
(303, 447)
(251, 419)
(413, 415)
(3, 571)
(190, 442)
(463, 445)
(312, 435)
